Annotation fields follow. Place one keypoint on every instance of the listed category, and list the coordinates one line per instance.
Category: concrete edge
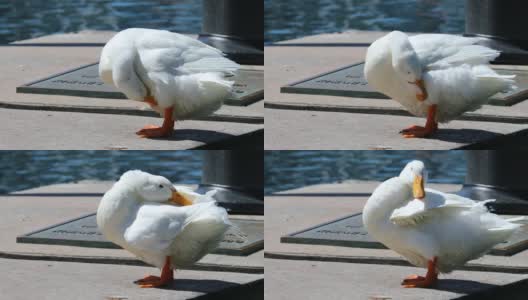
(127, 261)
(123, 111)
(386, 111)
(387, 261)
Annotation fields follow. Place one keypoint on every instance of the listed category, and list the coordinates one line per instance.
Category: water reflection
(286, 170)
(23, 19)
(287, 19)
(27, 169)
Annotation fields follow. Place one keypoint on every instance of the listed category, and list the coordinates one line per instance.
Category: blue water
(23, 19)
(21, 170)
(288, 19)
(286, 170)
(284, 19)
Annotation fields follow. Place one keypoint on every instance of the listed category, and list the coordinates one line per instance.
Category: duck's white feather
(186, 234)
(175, 69)
(452, 228)
(152, 231)
(455, 70)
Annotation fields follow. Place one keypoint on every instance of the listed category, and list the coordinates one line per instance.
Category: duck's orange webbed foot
(431, 126)
(151, 131)
(418, 131)
(167, 276)
(147, 279)
(415, 281)
(153, 281)
(412, 279)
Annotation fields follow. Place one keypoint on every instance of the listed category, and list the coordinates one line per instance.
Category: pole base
(505, 203)
(240, 51)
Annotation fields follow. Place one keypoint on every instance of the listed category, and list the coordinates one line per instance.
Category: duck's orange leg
(430, 278)
(167, 275)
(431, 126)
(151, 131)
(151, 101)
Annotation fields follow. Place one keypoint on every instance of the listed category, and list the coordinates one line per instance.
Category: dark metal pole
(503, 24)
(500, 175)
(238, 178)
(236, 27)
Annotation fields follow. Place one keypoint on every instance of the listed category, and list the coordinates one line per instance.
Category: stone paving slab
(287, 63)
(287, 279)
(67, 280)
(41, 57)
(295, 60)
(31, 209)
(54, 130)
(288, 129)
(298, 209)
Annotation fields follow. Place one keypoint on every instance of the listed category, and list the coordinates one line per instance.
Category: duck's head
(152, 188)
(415, 175)
(406, 64)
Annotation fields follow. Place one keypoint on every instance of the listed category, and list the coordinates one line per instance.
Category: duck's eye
(160, 186)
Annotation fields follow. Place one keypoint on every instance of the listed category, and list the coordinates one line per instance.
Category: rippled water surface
(284, 19)
(21, 170)
(286, 170)
(287, 19)
(283, 169)
(23, 19)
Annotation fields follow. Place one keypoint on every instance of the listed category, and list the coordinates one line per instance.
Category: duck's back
(457, 73)
(205, 229)
(461, 232)
(178, 71)
(463, 88)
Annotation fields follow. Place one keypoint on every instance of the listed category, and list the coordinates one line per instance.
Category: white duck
(437, 76)
(164, 225)
(178, 76)
(437, 231)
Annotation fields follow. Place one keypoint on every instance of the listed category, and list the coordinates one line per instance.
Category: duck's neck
(115, 211)
(387, 197)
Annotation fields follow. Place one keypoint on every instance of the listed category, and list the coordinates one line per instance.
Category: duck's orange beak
(418, 188)
(421, 85)
(179, 199)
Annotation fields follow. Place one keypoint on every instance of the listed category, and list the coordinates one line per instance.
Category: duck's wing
(437, 51)
(436, 203)
(164, 51)
(206, 227)
(156, 227)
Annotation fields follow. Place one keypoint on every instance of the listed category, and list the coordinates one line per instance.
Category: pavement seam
(125, 111)
(128, 261)
(386, 111)
(387, 261)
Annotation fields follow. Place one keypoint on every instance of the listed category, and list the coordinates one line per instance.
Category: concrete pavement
(30, 60)
(360, 123)
(316, 271)
(67, 272)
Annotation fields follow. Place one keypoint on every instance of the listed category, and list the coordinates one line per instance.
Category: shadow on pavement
(460, 286)
(513, 291)
(464, 135)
